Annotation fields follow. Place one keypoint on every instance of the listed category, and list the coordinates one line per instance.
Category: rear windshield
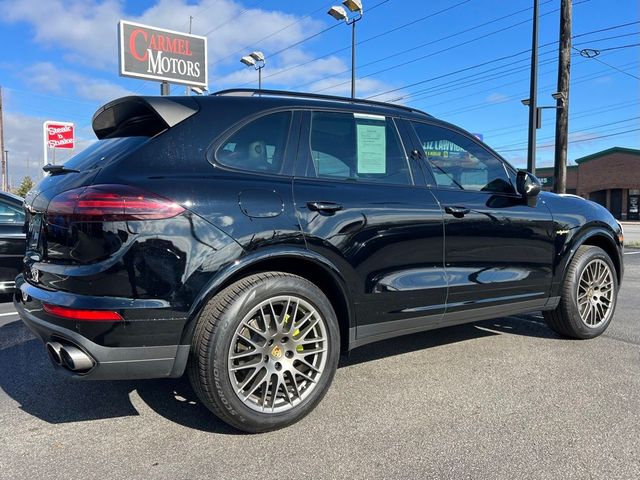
(103, 151)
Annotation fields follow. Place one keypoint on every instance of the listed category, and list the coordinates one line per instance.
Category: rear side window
(258, 146)
(101, 151)
(353, 146)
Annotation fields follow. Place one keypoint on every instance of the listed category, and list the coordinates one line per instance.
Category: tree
(25, 186)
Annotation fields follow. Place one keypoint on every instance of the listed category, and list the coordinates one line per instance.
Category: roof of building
(608, 151)
(550, 169)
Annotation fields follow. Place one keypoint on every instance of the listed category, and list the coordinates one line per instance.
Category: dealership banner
(58, 134)
(157, 54)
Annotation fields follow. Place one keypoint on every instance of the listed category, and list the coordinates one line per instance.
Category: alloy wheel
(278, 354)
(595, 293)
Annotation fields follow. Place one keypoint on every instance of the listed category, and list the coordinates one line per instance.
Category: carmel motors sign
(157, 54)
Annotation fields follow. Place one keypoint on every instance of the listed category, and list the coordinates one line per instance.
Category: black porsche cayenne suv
(248, 238)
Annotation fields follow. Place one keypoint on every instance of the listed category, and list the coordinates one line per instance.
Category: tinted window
(259, 145)
(356, 147)
(103, 150)
(459, 162)
(10, 214)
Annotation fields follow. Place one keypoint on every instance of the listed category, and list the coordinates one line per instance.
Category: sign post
(57, 135)
(152, 53)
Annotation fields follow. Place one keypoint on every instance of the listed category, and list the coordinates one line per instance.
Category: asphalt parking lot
(504, 398)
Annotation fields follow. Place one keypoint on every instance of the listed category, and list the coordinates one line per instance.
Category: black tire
(566, 319)
(208, 367)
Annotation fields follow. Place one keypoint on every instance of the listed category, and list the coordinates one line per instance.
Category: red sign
(59, 134)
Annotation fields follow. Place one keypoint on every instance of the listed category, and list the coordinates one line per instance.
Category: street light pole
(256, 60)
(340, 14)
(531, 146)
(353, 59)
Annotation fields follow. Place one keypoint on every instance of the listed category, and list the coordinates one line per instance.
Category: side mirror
(528, 186)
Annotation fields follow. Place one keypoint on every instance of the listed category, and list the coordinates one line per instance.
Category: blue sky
(62, 64)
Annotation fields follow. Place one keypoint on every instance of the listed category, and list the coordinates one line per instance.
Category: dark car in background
(248, 238)
(12, 240)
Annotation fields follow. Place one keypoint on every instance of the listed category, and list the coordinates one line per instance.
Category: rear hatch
(72, 221)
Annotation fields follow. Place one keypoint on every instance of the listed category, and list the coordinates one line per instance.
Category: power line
(609, 38)
(575, 141)
(611, 66)
(576, 81)
(386, 32)
(606, 29)
(248, 47)
(337, 24)
(549, 87)
(396, 54)
(475, 78)
(435, 53)
(226, 20)
(618, 48)
(483, 80)
(508, 130)
(584, 129)
(467, 68)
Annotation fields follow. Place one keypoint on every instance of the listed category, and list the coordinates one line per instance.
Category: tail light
(85, 315)
(111, 203)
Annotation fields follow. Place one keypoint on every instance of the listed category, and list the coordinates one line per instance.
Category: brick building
(610, 177)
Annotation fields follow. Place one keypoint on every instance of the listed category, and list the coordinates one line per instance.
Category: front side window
(258, 146)
(460, 163)
(357, 147)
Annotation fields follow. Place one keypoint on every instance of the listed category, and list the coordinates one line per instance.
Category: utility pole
(533, 91)
(186, 89)
(2, 139)
(6, 171)
(562, 112)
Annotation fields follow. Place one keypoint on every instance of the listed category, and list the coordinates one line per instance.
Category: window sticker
(372, 145)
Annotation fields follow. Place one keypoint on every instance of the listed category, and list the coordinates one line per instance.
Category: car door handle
(457, 212)
(324, 207)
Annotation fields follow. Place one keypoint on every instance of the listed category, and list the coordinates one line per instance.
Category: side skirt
(381, 331)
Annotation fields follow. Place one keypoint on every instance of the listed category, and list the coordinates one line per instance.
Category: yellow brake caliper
(299, 348)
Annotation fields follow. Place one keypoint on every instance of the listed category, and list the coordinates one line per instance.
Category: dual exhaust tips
(70, 357)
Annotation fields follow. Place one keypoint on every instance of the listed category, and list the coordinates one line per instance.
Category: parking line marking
(631, 253)
(15, 313)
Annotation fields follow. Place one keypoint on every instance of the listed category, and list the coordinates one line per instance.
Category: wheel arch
(597, 236)
(297, 261)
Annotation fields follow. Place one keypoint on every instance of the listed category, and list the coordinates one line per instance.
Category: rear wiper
(56, 169)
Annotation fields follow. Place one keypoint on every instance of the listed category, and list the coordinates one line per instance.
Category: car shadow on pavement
(525, 325)
(28, 377)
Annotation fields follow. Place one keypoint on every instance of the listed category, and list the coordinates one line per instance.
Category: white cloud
(46, 77)
(75, 25)
(86, 29)
(497, 98)
(84, 34)
(23, 139)
(80, 40)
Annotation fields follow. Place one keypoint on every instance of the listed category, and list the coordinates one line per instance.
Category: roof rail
(250, 92)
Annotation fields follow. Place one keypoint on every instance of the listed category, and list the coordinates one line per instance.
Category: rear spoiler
(141, 116)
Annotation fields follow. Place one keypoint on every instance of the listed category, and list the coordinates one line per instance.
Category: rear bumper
(111, 363)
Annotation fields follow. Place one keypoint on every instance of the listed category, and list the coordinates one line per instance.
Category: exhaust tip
(54, 349)
(75, 359)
